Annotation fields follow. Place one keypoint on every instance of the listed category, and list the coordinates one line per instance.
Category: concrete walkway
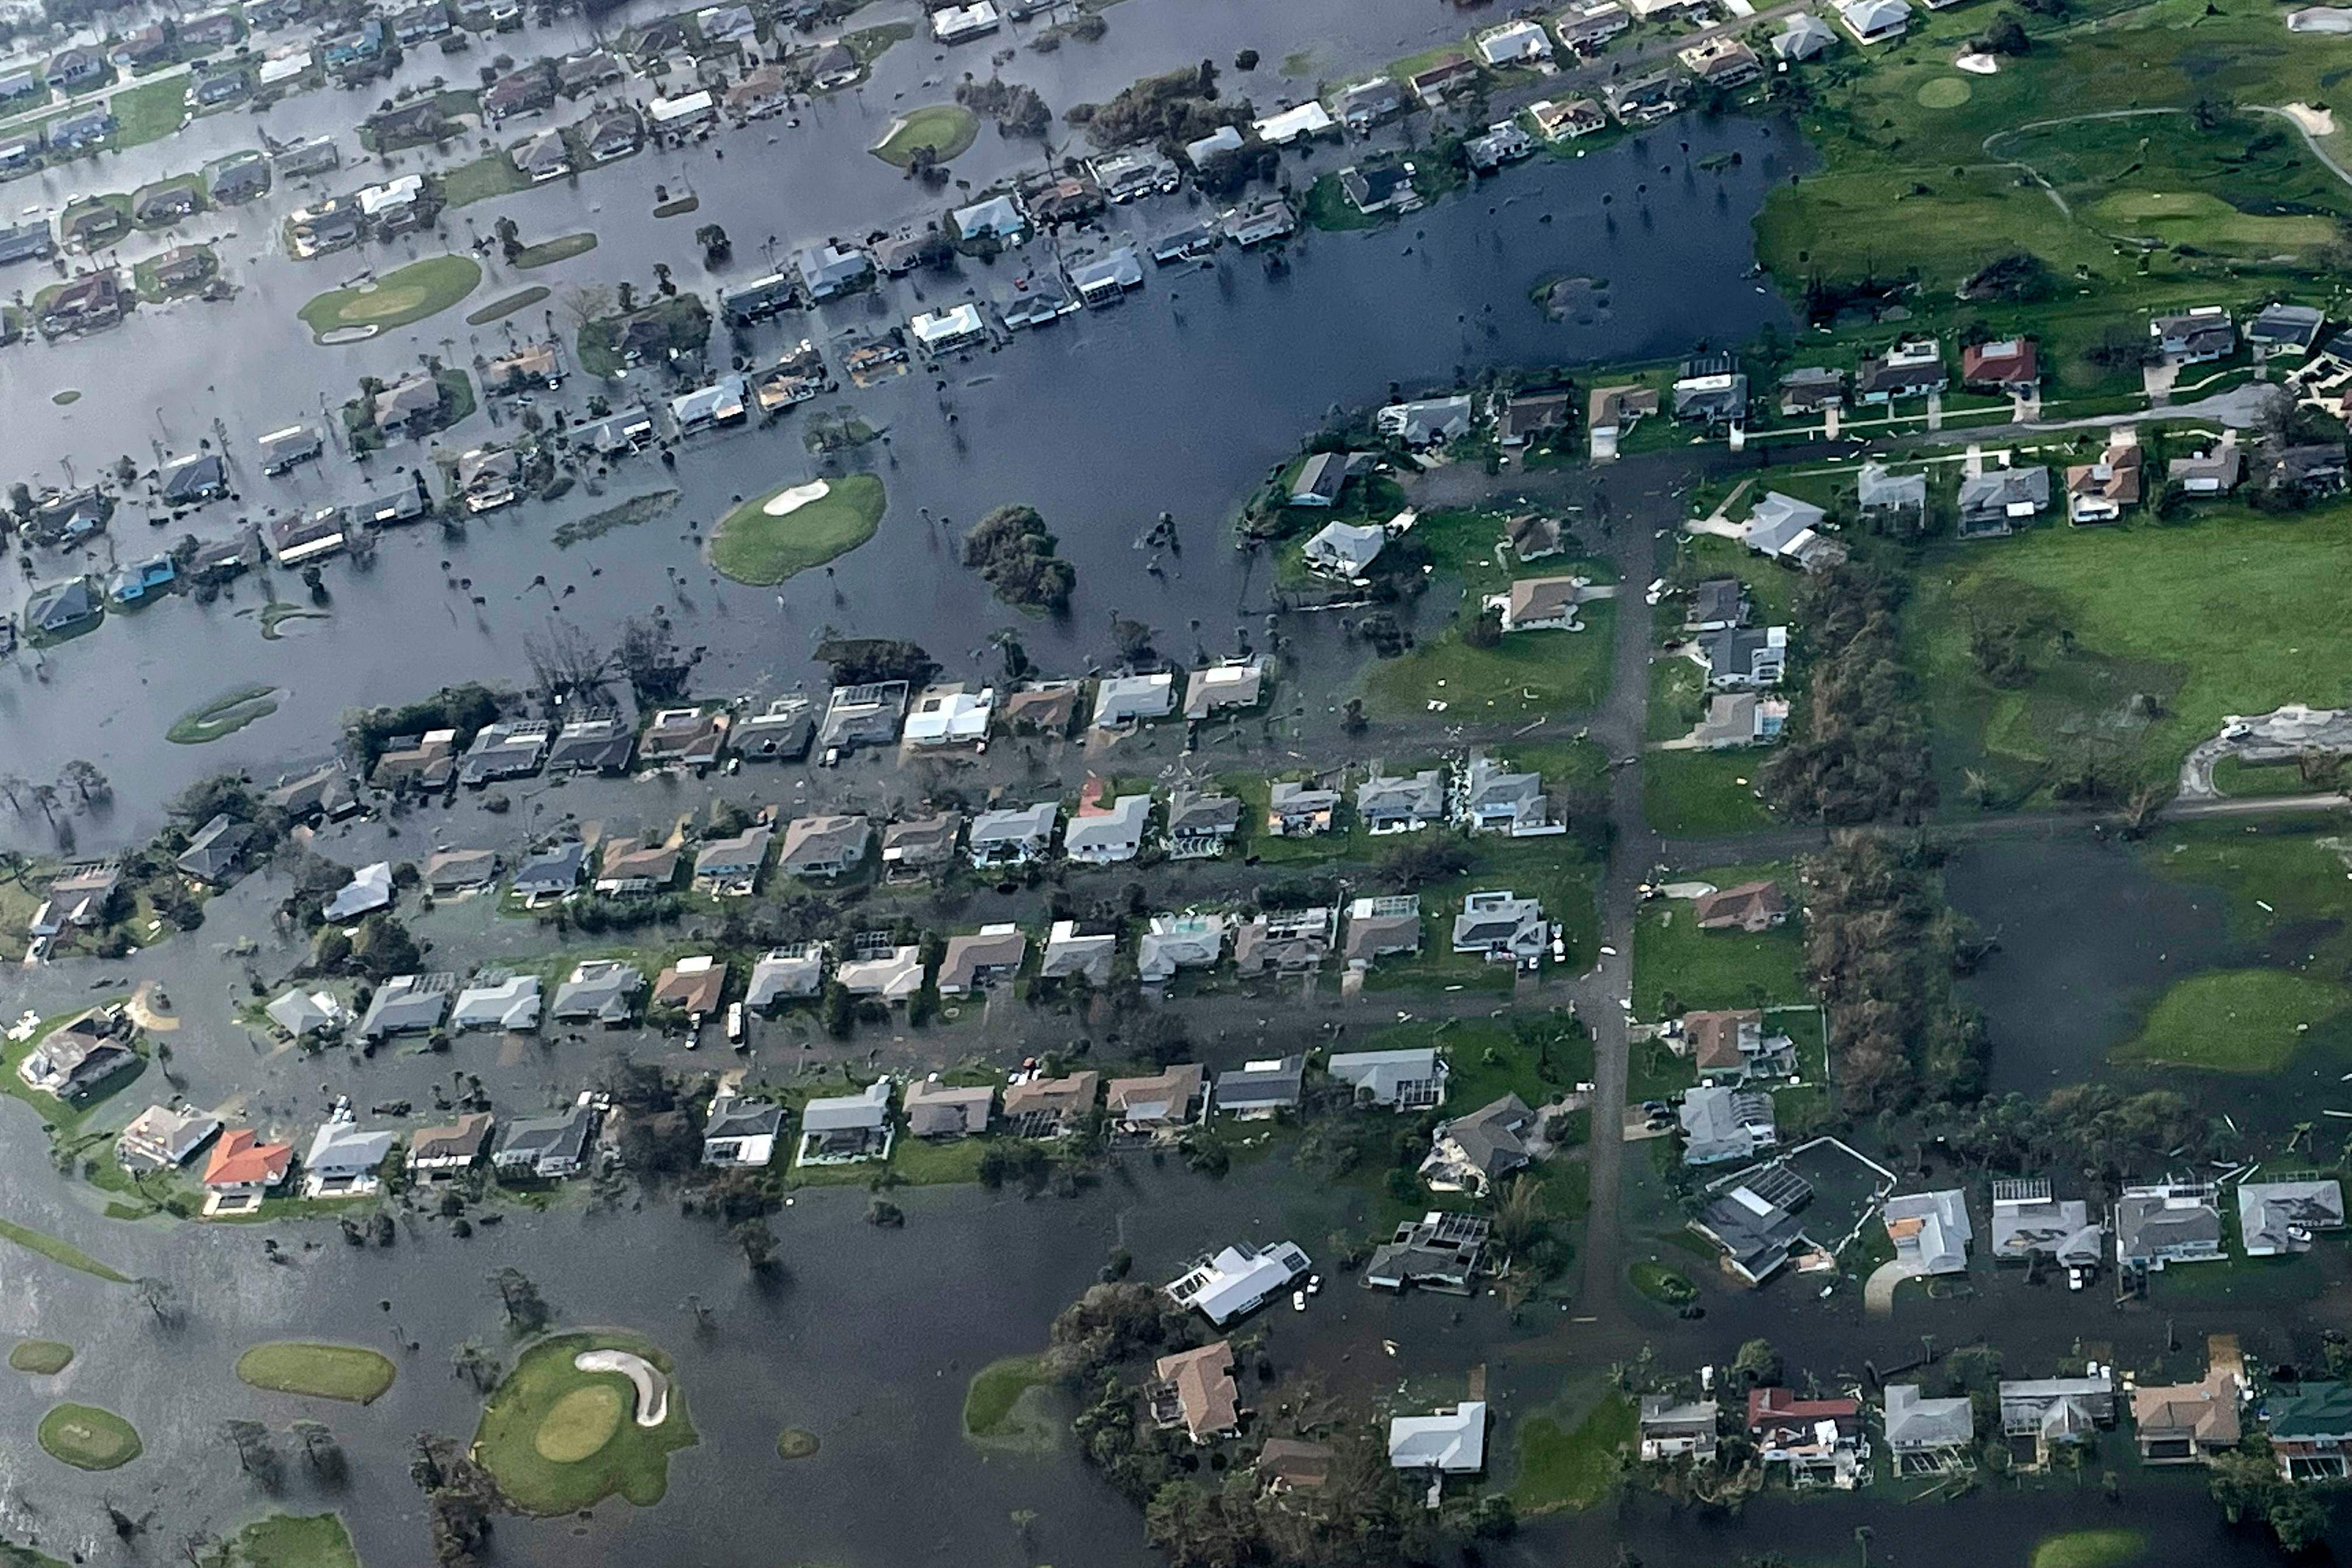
(652, 1386)
(1878, 1291)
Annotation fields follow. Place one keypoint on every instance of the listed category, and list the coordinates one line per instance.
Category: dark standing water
(1181, 398)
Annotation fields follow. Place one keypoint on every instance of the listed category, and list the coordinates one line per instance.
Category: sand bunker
(2315, 122)
(787, 502)
(1977, 65)
(653, 1388)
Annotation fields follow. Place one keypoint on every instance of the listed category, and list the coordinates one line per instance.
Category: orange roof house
(240, 1159)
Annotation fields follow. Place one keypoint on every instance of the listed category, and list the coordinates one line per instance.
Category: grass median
(775, 536)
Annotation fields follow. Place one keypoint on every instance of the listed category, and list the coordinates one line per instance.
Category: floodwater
(2087, 937)
(1179, 399)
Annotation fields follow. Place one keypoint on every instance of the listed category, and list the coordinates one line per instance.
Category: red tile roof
(242, 1158)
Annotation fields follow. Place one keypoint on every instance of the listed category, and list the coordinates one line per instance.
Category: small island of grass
(2090, 1549)
(1662, 1284)
(88, 1438)
(947, 129)
(288, 1541)
(350, 1373)
(225, 715)
(793, 1443)
(500, 308)
(558, 1438)
(43, 1358)
(792, 528)
(66, 398)
(548, 252)
(405, 295)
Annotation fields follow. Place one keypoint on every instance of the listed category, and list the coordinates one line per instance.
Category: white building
(1238, 1280)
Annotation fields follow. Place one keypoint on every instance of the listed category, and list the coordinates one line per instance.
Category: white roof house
(1514, 43)
(669, 113)
(1345, 549)
(950, 716)
(1308, 118)
(1874, 21)
(893, 974)
(994, 218)
(954, 23)
(1931, 1230)
(1238, 1280)
(1123, 700)
(301, 1012)
(505, 1002)
(950, 327)
(369, 889)
(1450, 1442)
(1108, 837)
(343, 1161)
(1223, 138)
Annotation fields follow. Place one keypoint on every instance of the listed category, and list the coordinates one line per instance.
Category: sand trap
(653, 1388)
(2315, 122)
(791, 500)
(1977, 65)
(1687, 890)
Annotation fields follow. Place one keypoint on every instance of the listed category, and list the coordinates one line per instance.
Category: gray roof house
(739, 1132)
(2285, 329)
(784, 973)
(1774, 523)
(838, 1128)
(1070, 953)
(1287, 941)
(508, 1001)
(1412, 1079)
(1172, 943)
(1721, 1124)
(599, 990)
(2167, 1222)
(1931, 1230)
(1501, 926)
(1259, 1089)
(1201, 822)
(1742, 658)
(1995, 501)
(369, 889)
(2276, 1217)
(1385, 804)
(547, 1147)
(1425, 422)
(729, 867)
(824, 846)
(866, 715)
(1346, 550)
(599, 743)
(909, 847)
(1014, 835)
(1296, 808)
(936, 1109)
(1471, 1154)
(1757, 1229)
(1495, 800)
(2056, 1410)
(216, 851)
(2027, 1222)
(1122, 700)
(1882, 494)
(979, 961)
(408, 1004)
(1378, 927)
(1925, 1429)
(551, 872)
(827, 270)
(301, 1012)
(1107, 837)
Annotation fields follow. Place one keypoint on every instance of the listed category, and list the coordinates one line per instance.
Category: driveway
(1878, 1291)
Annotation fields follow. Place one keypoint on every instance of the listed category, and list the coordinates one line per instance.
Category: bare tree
(566, 664)
(85, 779)
(527, 1310)
(586, 302)
(164, 1301)
(322, 1452)
(255, 1454)
(476, 1367)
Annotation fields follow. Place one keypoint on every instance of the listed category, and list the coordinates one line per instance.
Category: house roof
(1715, 1038)
(460, 1140)
(1274, 1083)
(1451, 1441)
(934, 1108)
(1490, 1138)
(1205, 1392)
(1064, 1097)
(1165, 1096)
(868, 1108)
(1912, 1422)
(1383, 1073)
(242, 1158)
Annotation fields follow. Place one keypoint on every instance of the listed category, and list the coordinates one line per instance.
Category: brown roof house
(1735, 1042)
(1050, 1107)
(2188, 1423)
(1751, 907)
(1161, 1106)
(692, 985)
(1195, 1390)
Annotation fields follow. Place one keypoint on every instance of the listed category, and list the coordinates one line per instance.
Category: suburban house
(1440, 1251)
(1422, 423)
(1201, 822)
(1756, 1222)
(1874, 21)
(1072, 953)
(1910, 369)
(782, 731)
(1589, 25)
(2101, 491)
(1721, 62)
(1344, 550)
(1287, 941)
(2195, 337)
(1123, 701)
(1721, 1124)
(866, 715)
(784, 973)
(242, 1170)
(1817, 1440)
(2275, 1217)
(2188, 1423)
(1050, 1107)
(600, 991)
(1195, 1390)
(2028, 1223)
(1100, 837)
(2052, 1413)
(841, 1129)
(1521, 416)
(313, 1012)
(1930, 1231)
(510, 749)
(1228, 684)
(162, 1139)
(1673, 1429)
(630, 866)
(217, 852)
(880, 967)
(345, 1163)
(693, 985)
(1997, 500)
(1735, 1042)
(2213, 470)
(1514, 44)
(1364, 104)
(1173, 942)
(1012, 836)
(1565, 121)
(950, 715)
(1157, 1107)
(2283, 330)
(1295, 808)
(545, 1148)
(1400, 1081)
(1502, 928)
(1742, 658)
(981, 961)
(739, 1133)
(1812, 389)
(1450, 1441)
(409, 1005)
(2310, 1426)
(1471, 1154)
(1735, 719)
(2165, 1223)
(730, 868)
(496, 1001)
(824, 848)
(1789, 530)
(1711, 389)
(1379, 926)
(941, 1110)
(1260, 1090)
(1927, 1435)
(1493, 800)
(911, 848)
(2005, 364)
(1897, 502)
(1448, 70)
(1751, 906)
(683, 737)
(1645, 101)
(1238, 1280)
(445, 1153)
(1542, 604)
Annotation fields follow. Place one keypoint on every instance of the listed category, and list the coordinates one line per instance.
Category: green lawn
(1715, 968)
(1660, 1283)
(1538, 1057)
(88, 1438)
(148, 112)
(288, 1541)
(996, 1389)
(632, 1461)
(563, 248)
(347, 1372)
(40, 1357)
(947, 129)
(2236, 778)
(398, 298)
(2235, 1020)
(1561, 1468)
(868, 43)
(1526, 675)
(2111, 1548)
(1677, 699)
(500, 308)
(1703, 795)
(492, 174)
(2135, 642)
(223, 716)
(750, 546)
